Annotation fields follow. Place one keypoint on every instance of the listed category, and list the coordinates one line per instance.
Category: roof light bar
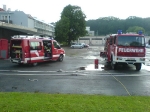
(119, 31)
(140, 32)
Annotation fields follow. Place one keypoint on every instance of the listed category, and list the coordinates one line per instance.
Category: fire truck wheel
(113, 66)
(20, 64)
(138, 66)
(61, 57)
(33, 64)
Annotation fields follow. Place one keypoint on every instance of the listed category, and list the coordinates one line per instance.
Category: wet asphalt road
(67, 77)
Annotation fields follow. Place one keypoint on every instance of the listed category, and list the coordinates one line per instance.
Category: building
(20, 18)
(92, 40)
(90, 33)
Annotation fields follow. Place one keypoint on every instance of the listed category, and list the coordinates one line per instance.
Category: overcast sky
(50, 10)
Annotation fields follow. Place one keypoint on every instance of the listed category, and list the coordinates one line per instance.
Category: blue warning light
(119, 31)
(140, 32)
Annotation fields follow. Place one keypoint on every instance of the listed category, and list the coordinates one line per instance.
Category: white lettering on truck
(130, 50)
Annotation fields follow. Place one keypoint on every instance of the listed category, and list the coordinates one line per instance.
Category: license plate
(130, 59)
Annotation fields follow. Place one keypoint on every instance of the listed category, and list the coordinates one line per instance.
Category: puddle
(103, 66)
(90, 57)
(145, 67)
(92, 67)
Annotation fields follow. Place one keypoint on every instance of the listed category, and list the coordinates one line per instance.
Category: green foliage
(41, 102)
(135, 29)
(61, 29)
(108, 25)
(72, 24)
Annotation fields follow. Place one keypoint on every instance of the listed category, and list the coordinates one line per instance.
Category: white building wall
(92, 40)
(84, 41)
(30, 23)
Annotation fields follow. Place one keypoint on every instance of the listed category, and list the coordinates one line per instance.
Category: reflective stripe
(56, 55)
(34, 58)
(35, 51)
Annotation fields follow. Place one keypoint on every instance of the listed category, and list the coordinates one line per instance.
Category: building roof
(30, 16)
(2, 9)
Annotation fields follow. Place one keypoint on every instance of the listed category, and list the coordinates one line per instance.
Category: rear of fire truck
(124, 49)
(16, 50)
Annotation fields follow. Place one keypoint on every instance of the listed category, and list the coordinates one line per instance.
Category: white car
(77, 45)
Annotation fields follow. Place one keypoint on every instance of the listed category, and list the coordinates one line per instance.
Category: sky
(50, 10)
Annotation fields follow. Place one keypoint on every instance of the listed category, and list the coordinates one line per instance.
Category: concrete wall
(92, 40)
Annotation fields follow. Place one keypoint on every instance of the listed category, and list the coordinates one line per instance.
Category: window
(111, 41)
(131, 41)
(115, 40)
(5, 17)
(96, 38)
(84, 38)
(35, 46)
(56, 45)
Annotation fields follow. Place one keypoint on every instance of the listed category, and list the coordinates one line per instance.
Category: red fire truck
(34, 49)
(123, 49)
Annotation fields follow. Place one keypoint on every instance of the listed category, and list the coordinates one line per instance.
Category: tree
(110, 25)
(61, 30)
(135, 29)
(72, 24)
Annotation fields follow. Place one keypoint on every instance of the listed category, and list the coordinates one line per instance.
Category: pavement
(75, 75)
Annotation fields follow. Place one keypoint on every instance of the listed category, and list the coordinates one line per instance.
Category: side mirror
(111, 42)
(58, 47)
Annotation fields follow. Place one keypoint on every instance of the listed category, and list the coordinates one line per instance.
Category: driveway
(75, 75)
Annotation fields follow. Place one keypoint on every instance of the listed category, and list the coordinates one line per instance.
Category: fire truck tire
(61, 57)
(20, 64)
(34, 64)
(113, 66)
(138, 66)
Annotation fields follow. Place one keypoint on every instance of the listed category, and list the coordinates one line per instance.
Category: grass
(42, 102)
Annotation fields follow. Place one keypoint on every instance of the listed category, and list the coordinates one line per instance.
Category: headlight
(119, 58)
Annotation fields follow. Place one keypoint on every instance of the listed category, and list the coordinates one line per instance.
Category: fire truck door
(4, 48)
(36, 53)
(55, 51)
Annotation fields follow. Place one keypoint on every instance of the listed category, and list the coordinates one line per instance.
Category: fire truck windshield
(131, 41)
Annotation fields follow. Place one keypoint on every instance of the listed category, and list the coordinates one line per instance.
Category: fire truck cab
(34, 49)
(123, 49)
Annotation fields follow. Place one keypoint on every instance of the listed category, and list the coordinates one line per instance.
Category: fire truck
(34, 49)
(124, 49)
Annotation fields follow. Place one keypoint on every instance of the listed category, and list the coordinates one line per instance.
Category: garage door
(84, 40)
(97, 41)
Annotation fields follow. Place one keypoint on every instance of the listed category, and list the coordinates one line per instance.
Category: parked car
(77, 45)
(85, 45)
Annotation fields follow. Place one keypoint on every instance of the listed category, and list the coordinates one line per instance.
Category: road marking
(121, 84)
(71, 73)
